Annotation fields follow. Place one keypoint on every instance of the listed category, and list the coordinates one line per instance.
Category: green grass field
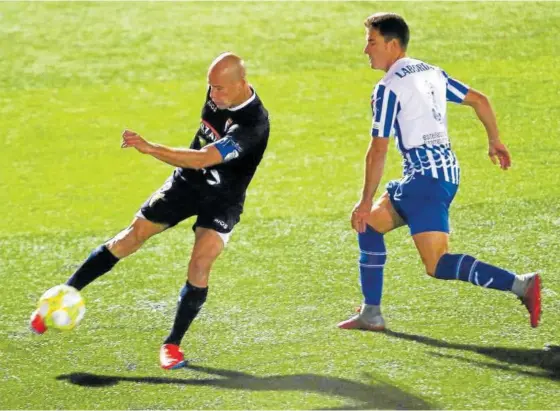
(74, 75)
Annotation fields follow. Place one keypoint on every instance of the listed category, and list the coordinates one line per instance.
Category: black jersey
(241, 134)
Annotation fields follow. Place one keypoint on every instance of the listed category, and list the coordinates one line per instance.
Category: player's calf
(103, 258)
(191, 300)
(99, 262)
(466, 268)
(373, 256)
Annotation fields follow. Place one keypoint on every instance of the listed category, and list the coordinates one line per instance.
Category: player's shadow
(362, 396)
(547, 359)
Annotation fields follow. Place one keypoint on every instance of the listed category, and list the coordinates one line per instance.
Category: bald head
(226, 78)
(227, 66)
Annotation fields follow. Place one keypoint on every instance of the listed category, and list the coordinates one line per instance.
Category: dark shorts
(176, 200)
(422, 202)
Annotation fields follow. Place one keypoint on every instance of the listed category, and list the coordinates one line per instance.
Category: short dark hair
(390, 26)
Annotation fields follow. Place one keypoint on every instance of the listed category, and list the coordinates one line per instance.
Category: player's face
(377, 49)
(224, 92)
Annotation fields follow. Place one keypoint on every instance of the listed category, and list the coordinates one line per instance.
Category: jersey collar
(245, 103)
(397, 65)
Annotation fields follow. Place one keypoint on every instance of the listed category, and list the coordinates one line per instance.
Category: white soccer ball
(62, 307)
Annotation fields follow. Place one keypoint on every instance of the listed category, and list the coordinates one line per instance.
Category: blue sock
(98, 263)
(463, 267)
(373, 255)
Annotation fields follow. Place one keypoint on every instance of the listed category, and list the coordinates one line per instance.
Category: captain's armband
(228, 148)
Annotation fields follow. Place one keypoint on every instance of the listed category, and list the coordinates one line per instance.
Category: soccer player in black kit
(210, 182)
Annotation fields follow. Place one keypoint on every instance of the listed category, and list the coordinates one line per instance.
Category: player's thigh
(208, 244)
(219, 217)
(431, 246)
(384, 217)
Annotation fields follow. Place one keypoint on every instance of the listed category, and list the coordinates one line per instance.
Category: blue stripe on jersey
(398, 133)
(434, 161)
(458, 85)
(386, 109)
(378, 101)
(445, 161)
(456, 91)
(390, 115)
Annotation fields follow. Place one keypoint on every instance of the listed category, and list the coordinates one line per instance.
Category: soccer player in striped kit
(409, 102)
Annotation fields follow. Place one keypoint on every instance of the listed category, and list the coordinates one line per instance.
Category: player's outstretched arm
(497, 151)
(178, 157)
(375, 164)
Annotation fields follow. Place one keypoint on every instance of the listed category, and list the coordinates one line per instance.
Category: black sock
(98, 263)
(190, 303)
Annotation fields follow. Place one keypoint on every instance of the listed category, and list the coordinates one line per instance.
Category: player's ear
(388, 44)
(241, 84)
(394, 44)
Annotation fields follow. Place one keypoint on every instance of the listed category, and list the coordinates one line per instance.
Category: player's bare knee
(120, 245)
(127, 241)
(383, 218)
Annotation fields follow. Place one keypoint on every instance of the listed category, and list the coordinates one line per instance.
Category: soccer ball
(62, 307)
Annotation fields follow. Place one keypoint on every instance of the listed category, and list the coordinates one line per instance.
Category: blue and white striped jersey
(410, 103)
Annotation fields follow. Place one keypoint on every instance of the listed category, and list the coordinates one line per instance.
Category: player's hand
(360, 215)
(132, 139)
(498, 152)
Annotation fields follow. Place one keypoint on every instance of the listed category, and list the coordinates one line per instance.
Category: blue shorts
(422, 202)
